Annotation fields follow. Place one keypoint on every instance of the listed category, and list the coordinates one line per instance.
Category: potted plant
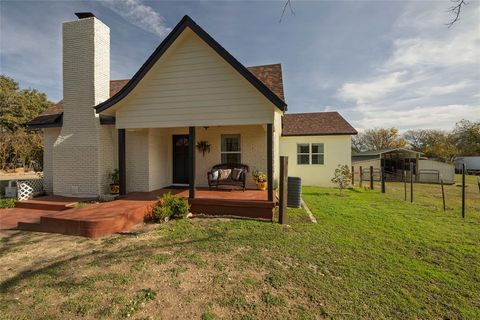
(115, 179)
(260, 179)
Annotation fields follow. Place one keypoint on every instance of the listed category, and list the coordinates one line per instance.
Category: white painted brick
(83, 152)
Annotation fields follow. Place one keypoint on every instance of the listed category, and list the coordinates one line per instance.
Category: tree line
(20, 147)
(462, 140)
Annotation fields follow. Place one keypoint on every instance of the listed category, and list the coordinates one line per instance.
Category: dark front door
(180, 159)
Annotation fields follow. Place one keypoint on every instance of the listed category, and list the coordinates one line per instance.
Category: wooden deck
(58, 214)
(221, 202)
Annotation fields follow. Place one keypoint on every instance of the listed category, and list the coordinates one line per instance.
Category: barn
(396, 161)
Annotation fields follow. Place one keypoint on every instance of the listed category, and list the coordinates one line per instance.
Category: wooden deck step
(93, 221)
(222, 207)
(38, 205)
(50, 203)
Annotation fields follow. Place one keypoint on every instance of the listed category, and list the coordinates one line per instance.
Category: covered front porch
(153, 161)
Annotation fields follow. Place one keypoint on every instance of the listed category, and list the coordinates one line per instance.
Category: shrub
(170, 207)
(7, 203)
(342, 177)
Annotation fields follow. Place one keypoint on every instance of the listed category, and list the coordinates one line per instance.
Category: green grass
(7, 202)
(371, 256)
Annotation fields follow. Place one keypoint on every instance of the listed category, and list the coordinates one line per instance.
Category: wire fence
(406, 184)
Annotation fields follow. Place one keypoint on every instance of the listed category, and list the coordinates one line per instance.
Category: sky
(378, 63)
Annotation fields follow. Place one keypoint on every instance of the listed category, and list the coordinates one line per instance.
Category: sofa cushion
(236, 174)
(224, 174)
(214, 174)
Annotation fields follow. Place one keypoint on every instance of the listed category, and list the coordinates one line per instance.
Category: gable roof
(316, 124)
(168, 41)
(382, 151)
(270, 75)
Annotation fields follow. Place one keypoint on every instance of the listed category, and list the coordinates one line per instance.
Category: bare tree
(288, 4)
(455, 10)
(378, 139)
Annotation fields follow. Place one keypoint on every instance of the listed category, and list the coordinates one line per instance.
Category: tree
(17, 107)
(456, 9)
(342, 177)
(440, 146)
(416, 139)
(466, 136)
(378, 139)
(433, 143)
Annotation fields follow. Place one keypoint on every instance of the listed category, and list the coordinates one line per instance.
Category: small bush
(170, 207)
(7, 203)
(342, 177)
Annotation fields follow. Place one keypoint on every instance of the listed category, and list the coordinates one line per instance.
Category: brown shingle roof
(315, 123)
(271, 76)
(115, 86)
(53, 115)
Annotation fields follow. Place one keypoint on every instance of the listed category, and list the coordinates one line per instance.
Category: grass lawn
(371, 256)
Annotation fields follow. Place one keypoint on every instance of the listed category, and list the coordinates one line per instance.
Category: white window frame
(239, 152)
(303, 154)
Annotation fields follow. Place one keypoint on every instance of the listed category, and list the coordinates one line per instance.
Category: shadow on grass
(124, 253)
(16, 239)
(316, 193)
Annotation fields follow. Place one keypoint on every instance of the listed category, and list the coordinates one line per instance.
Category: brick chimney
(83, 152)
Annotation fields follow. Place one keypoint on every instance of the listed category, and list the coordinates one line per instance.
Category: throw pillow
(224, 173)
(214, 174)
(236, 173)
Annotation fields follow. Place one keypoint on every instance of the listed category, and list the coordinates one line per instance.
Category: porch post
(121, 162)
(270, 161)
(191, 162)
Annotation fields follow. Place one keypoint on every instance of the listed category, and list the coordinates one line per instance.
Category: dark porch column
(121, 162)
(270, 161)
(191, 162)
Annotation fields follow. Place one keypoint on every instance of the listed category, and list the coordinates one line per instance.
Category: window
(310, 153)
(317, 153)
(303, 153)
(230, 151)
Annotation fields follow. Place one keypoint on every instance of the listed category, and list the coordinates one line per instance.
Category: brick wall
(83, 152)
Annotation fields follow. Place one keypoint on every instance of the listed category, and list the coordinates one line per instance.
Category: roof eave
(319, 134)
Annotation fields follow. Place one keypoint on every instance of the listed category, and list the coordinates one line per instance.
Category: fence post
(411, 182)
(361, 178)
(443, 194)
(353, 176)
(371, 177)
(405, 183)
(463, 190)
(383, 179)
(282, 209)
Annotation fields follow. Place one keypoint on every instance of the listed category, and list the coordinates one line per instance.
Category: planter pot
(114, 188)
(262, 185)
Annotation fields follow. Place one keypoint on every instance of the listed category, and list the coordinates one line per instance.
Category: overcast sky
(379, 63)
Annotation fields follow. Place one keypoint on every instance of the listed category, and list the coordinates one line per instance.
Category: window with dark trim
(231, 148)
(303, 153)
(318, 153)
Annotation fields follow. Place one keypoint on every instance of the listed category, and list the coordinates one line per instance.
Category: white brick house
(189, 90)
